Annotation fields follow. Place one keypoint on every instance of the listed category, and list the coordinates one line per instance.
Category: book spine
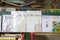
(22, 36)
(32, 35)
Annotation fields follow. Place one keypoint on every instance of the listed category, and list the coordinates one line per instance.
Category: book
(7, 38)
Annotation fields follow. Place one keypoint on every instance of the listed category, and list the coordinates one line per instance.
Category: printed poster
(34, 21)
(18, 21)
(7, 24)
(50, 23)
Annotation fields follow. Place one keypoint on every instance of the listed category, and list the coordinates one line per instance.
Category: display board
(29, 21)
(20, 21)
(51, 22)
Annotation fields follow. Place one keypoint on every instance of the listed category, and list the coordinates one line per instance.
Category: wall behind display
(7, 9)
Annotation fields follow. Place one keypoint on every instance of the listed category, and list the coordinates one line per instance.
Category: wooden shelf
(13, 32)
(46, 33)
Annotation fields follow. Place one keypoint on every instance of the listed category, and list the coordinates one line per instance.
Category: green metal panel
(1, 13)
(51, 13)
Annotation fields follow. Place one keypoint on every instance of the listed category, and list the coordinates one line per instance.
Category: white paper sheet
(7, 24)
(47, 22)
(18, 21)
(34, 21)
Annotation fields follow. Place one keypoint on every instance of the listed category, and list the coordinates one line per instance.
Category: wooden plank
(46, 33)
